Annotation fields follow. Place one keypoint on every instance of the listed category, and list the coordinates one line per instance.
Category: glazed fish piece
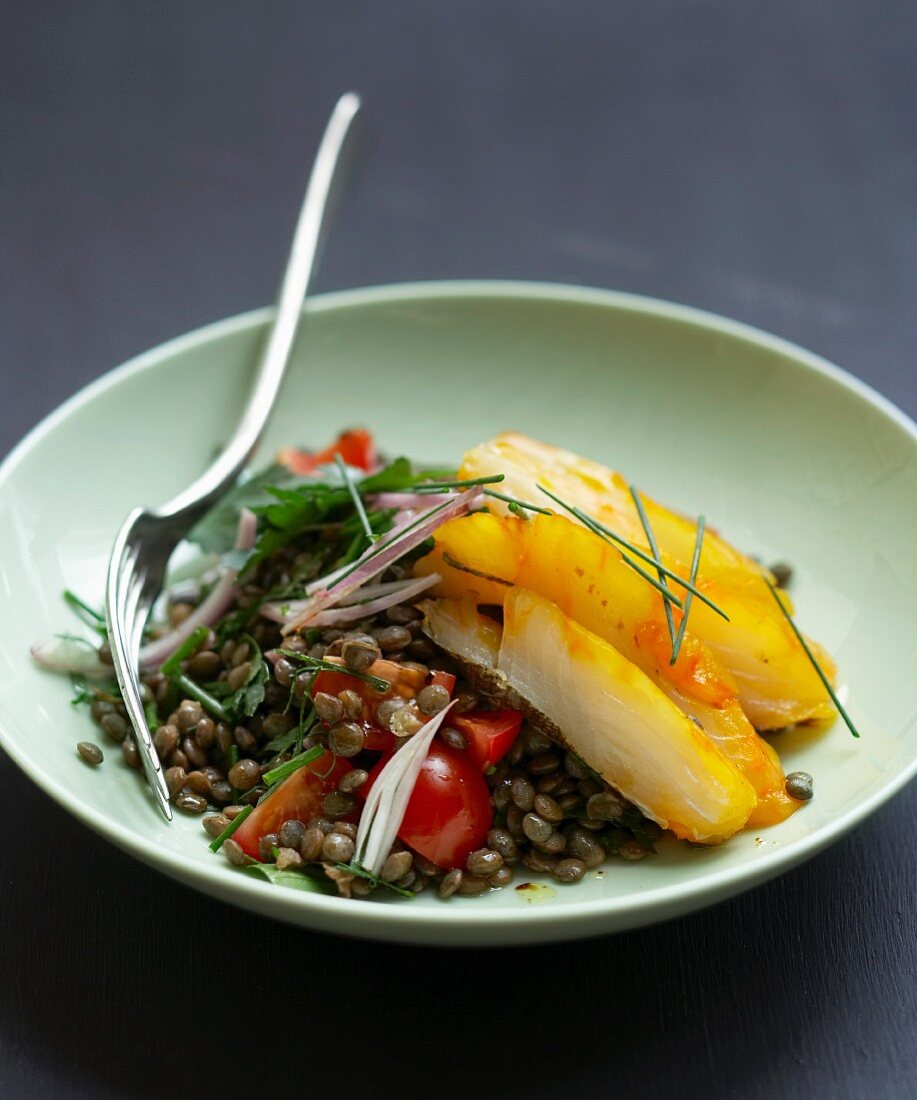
(582, 691)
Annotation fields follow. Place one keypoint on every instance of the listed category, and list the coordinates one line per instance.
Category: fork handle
(325, 184)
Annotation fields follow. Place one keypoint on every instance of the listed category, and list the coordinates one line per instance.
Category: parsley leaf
(243, 702)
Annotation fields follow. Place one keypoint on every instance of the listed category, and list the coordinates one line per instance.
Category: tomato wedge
(405, 682)
(489, 733)
(298, 798)
(356, 447)
(449, 813)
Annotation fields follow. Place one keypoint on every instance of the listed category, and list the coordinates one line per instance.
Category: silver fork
(147, 538)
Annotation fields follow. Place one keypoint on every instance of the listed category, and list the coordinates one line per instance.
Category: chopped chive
(518, 503)
(591, 525)
(600, 529)
(171, 667)
(818, 669)
(695, 562)
(85, 613)
(318, 665)
(280, 773)
(466, 483)
(232, 757)
(651, 539)
(360, 871)
(217, 842)
(151, 713)
(456, 564)
(356, 498)
(207, 701)
(676, 578)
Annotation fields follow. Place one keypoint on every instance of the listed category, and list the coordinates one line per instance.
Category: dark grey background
(757, 160)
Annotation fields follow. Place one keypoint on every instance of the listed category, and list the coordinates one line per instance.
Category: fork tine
(123, 600)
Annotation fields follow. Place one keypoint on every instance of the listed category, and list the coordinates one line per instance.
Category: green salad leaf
(298, 880)
(216, 532)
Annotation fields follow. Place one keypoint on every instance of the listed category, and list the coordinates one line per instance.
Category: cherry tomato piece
(489, 733)
(298, 798)
(442, 679)
(356, 447)
(450, 812)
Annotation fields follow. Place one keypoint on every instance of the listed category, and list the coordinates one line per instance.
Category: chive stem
(651, 539)
(83, 611)
(280, 773)
(207, 701)
(592, 526)
(465, 483)
(676, 577)
(600, 529)
(171, 667)
(356, 498)
(217, 842)
(818, 669)
(695, 562)
(316, 664)
(519, 503)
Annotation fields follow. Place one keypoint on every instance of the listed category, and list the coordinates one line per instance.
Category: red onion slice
(279, 612)
(378, 557)
(356, 611)
(403, 502)
(67, 655)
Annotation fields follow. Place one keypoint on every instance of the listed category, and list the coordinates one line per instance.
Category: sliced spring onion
(387, 802)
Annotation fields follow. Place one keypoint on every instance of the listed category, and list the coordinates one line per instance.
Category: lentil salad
(325, 692)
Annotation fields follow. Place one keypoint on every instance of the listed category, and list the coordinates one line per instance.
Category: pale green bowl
(789, 456)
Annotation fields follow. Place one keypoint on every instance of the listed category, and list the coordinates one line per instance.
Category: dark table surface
(757, 160)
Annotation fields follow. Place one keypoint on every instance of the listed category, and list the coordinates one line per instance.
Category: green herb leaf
(83, 693)
(282, 742)
(397, 477)
(243, 702)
